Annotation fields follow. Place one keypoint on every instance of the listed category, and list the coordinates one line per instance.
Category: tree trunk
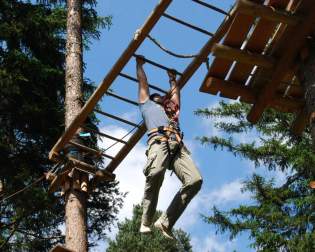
(307, 75)
(75, 200)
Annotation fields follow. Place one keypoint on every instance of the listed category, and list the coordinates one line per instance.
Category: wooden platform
(60, 248)
(258, 59)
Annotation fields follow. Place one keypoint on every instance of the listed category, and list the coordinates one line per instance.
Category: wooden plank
(231, 88)
(258, 81)
(104, 175)
(235, 36)
(247, 93)
(60, 248)
(256, 43)
(265, 12)
(243, 56)
(290, 50)
(110, 77)
(60, 178)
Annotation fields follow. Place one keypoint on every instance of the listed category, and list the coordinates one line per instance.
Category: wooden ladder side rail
(187, 74)
(297, 39)
(267, 12)
(110, 77)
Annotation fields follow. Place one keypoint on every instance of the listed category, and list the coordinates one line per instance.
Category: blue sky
(222, 172)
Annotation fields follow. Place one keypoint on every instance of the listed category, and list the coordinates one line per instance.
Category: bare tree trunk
(75, 200)
(307, 75)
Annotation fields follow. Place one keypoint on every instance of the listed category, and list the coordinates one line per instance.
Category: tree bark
(75, 200)
(307, 75)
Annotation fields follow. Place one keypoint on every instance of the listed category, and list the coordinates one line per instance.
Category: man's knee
(191, 189)
(195, 185)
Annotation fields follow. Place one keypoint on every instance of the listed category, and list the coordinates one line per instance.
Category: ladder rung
(116, 118)
(88, 149)
(105, 175)
(104, 135)
(107, 156)
(211, 7)
(82, 165)
(98, 153)
(122, 98)
(135, 80)
(158, 64)
(187, 24)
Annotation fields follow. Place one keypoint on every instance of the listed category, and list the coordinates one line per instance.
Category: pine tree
(32, 54)
(282, 216)
(129, 239)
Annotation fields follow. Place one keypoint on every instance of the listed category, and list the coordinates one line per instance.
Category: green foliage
(129, 239)
(281, 217)
(32, 53)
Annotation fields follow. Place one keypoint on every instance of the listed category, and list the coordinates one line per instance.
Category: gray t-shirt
(153, 115)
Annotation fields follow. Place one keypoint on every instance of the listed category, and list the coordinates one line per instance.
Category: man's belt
(166, 132)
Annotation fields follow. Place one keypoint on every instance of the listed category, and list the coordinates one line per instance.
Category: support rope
(181, 56)
(23, 189)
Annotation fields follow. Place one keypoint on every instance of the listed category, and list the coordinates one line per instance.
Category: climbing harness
(166, 133)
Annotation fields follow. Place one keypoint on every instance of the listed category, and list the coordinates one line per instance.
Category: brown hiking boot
(165, 231)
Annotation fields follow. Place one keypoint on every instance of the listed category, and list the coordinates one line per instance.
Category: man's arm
(175, 91)
(142, 78)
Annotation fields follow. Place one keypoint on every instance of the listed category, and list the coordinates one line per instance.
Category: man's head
(157, 98)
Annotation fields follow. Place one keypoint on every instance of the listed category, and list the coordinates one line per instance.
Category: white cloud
(227, 193)
(211, 244)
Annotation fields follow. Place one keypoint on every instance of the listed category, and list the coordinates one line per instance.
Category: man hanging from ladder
(165, 151)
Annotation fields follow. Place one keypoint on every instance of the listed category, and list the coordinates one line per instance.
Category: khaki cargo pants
(162, 156)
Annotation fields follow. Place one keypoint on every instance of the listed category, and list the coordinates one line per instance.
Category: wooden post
(307, 75)
(75, 200)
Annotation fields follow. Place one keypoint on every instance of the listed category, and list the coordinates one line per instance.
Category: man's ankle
(144, 228)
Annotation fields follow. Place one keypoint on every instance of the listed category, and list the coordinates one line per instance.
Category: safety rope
(182, 56)
(23, 189)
